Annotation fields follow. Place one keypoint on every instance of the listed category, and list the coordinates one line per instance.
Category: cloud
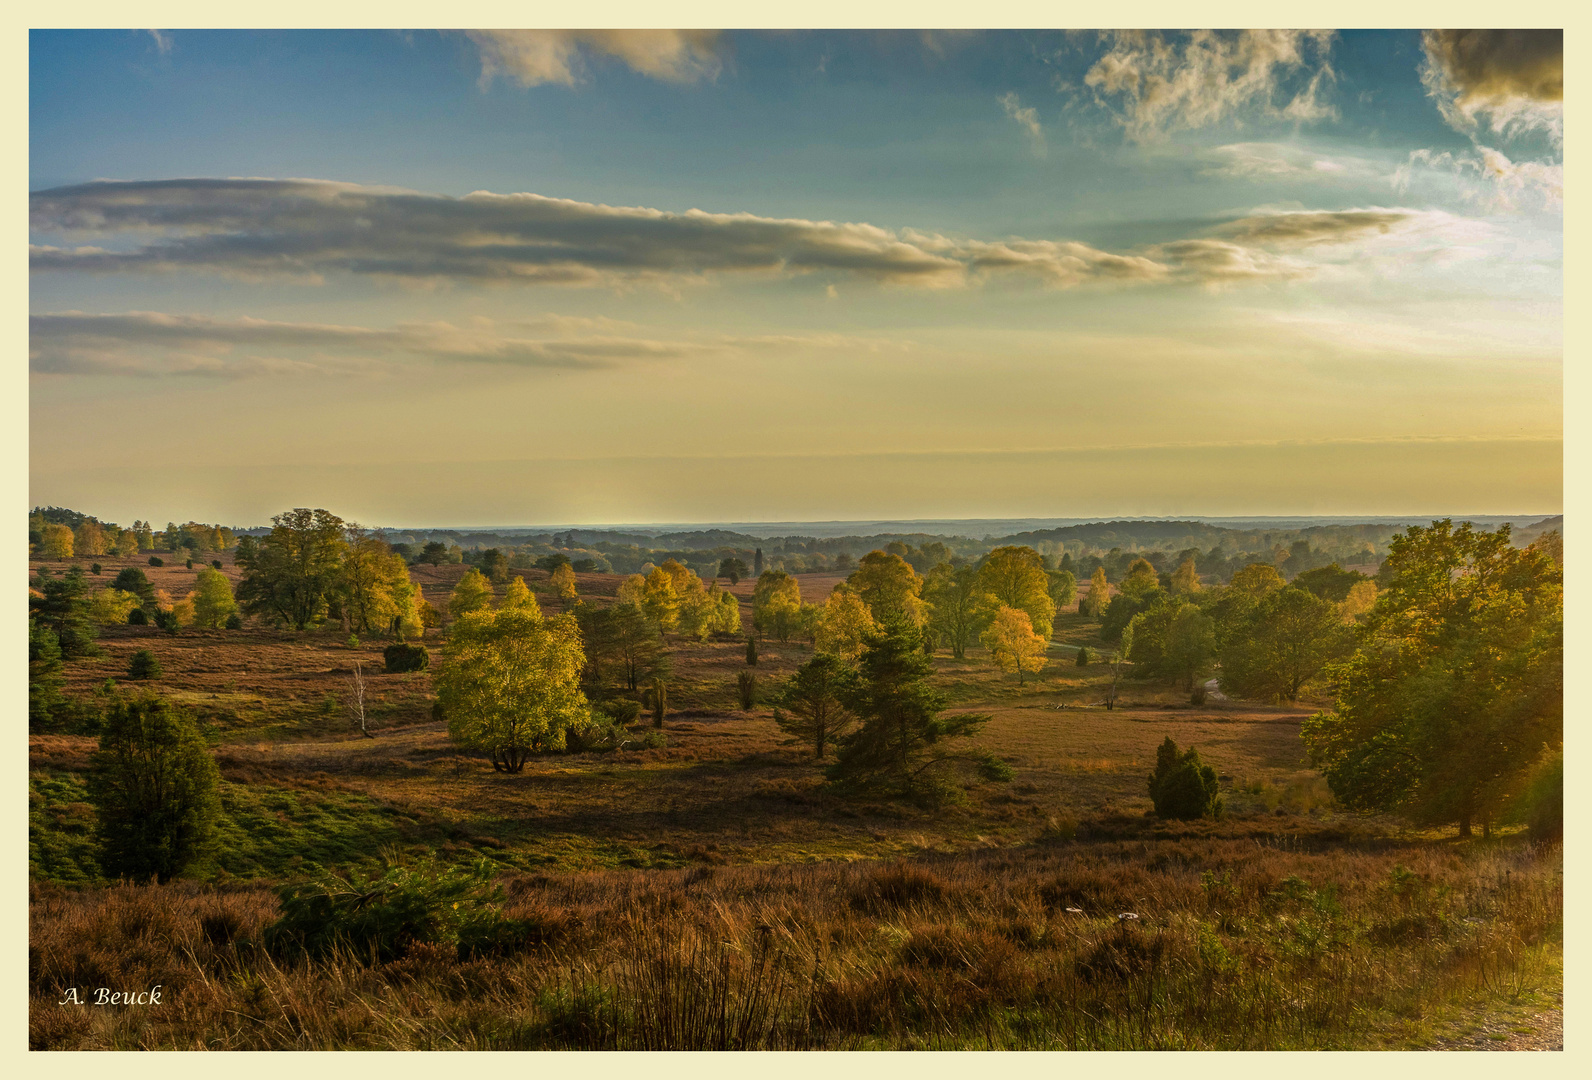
(1297, 228)
(1027, 118)
(1489, 179)
(535, 57)
(1263, 161)
(153, 344)
(162, 41)
(1513, 77)
(1155, 85)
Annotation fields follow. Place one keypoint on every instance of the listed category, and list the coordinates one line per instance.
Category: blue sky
(1328, 265)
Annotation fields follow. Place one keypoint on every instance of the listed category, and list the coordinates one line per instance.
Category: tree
(1124, 608)
(1182, 787)
(435, 552)
(624, 634)
(288, 574)
(1013, 644)
(56, 542)
(1330, 582)
(1063, 588)
(1172, 639)
(776, 603)
(1016, 577)
(89, 539)
(373, 587)
(563, 581)
(1456, 684)
(135, 581)
(519, 595)
(212, 599)
(757, 563)
(814, 712)
(44, 676)
(1291, 635)
(1185, 579)
(889, 586)
(1140, 580)
(126, 543)
(1256, 580)
(727, 619)
(509, 684)
(900, 747)
(1099, 597)
(61, 603)
(959, 607)
(1359, 602)
(732, 568)
(472, 593)
(660, 600)
(110, 607)
(495, 565)
(153, 783)
(843, 623)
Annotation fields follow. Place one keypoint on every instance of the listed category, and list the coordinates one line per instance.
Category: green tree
(1099, 598)
(509, 684)
(110, 607)
(472, 593)
(1141, 580)
(135, 581)
(1291, 635)
(732, 568)
(212, 600)
(1256, 580)
(1182, 786)
(153, 783)
(1456, 685)
(1173, 640)
(373, 586)
(889, 586)
(44, 676)
(519, 595)
(959, 607)
(1012, 643)
(776, 603)
(61, 603)
(1016, 577)
(901, 745)
(435, 552)
(814, 711)
(843, 623)
(288, 575)
(1063, 588)
(1330, 582)
(495, 565)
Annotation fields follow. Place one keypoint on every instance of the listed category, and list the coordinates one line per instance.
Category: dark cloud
(1294, 228)
(1516, 77)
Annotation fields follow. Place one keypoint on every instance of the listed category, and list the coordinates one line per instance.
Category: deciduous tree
(212, 599)
(1290, 636)
(1016, 577)
(843, 623)
(959, 607)
(1012, 643)
(889, 586)
(472, 593)
(288, 575)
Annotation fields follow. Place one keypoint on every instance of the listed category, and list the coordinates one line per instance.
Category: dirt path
(1537, 1031)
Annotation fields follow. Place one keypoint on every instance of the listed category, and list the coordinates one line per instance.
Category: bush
(1181, 787)
(380, 917)
(138, 617)
(143, 664)
(188, 563)
(658, 699)
(97, 568)
(746, 686)
(623, 711)
(216, 563)
(234, 622)
(352, 642)
(400, 657)
(153, 783)
(1542, 807)
(751, 652)
(156, 560)
(1084, 656)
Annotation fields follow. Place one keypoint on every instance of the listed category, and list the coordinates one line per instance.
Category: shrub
(746, 686)
(380, 917)
(352, 642)
(1084, 656)
(622, 711)
(751, 652)
(234, 622)
(1197, 695)
(400, 657)
(143, 664)
(153, 783)
(138, 617)
(156, 560)
(658, 698)
(97, 568)
(188, 563)
(1542, 807)
(216, 563)
(1181, 787)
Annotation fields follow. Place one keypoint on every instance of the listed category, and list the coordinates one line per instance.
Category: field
(1288, 923)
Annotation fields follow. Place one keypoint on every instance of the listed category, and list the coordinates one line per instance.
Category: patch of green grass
(61, 845)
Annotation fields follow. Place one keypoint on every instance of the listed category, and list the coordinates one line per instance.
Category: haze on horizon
(607, 277)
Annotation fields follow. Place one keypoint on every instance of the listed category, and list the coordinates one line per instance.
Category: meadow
(711, 892)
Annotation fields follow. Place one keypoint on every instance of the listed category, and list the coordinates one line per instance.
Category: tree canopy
(1016, 577)
(889, 586)
(288, 574)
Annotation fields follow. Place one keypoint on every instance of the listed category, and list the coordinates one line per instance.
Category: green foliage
(900, 748)
(1290, 636)
(234, 622)
(135, 581)
(379, 917)
(746, 689)
(153, 783)
(815, 698)
(1181, 786)
(776, 604)
(732, 568)
(1172, 640)
(143, 665)
(1456, 684)
(622, 635)
(96, 569)
(960, 608)
(288, 575)
(61, 603)
(44, 676)
(1330, 582)
(751, 652)
(212, 599)
(1541, 805)
(400, 657)
(156, 560)
(1124, 609)
(138, 617)
(1016, 577)
(495, 565)
(622, 711)
(1084, 656)
(435, 553)
(889, 586)
(1063, 588)
(658, 700)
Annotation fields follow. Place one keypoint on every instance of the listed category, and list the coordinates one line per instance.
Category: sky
(527, 277)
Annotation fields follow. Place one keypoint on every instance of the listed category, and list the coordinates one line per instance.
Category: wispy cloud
(1490, 179)
(162, 40)
(1284, 161)
(536, 57)
(1027, 118)
(1156, 83)
(1513, 78)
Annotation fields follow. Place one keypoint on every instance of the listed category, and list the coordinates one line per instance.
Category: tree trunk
(1464, 824)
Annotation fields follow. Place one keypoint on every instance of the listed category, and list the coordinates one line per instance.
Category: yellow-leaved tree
(1099, 597)
(563, 581)
(843, 622)
(776, 604)
(659, 599)
(472, 593)
(110, 607)
(1185, 579)
(889, 586)
(55, 542)
(518, 595)
(1016, 577)
(509, 684)
(89, 539)
(727, 613)
(212, 599)
(1013, 644)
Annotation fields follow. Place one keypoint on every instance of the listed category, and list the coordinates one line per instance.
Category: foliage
(139, 617)
(563, 582)
(1013, 644)
(732, 568)
(156, 560)
(374, 588)
(1456, 684)
(509, 684)
(56, 542)
(1174, 640)
(1016, 577)
(435, 552)
(1330, 582)
(1541, 804)
(473, 593)
(288, 574)
(658, 701)
(751, 652)
(400, 657)
(133, 580)
(776, 604)
(1084, 656)
(660, 599)
(1063, 588)
(1099, 599)
(44, 676)
(1256, 580)
(1290, 636)
(1124, 608)
(143, 665)
(843, 622)
(61, 603)
(153, 784)
(1182, 787)
(233, 621)
(380, 917)
(1141, 579)
(959, 607)
(519, 595)
(1359, 602)
(900, 747)
(889, 586)
(623, 635)
(746, 689)
(495, 566)
(1185, 579)
(814, 711)
(212, 599)
(110, 607)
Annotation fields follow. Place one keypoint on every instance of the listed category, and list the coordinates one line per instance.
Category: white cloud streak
(1027, 118)
(1155, 84)
(538, 57)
